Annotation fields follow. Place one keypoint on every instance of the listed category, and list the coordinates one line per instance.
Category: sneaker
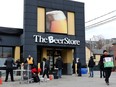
(12, 80)
(107, 83)
(48, 79)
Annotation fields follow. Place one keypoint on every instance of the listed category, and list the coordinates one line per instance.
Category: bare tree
(99, 41)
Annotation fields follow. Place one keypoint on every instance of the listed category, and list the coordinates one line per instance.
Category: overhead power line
(101, 16)
(101, 22)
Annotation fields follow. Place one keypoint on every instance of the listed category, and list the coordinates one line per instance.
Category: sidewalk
(68, 81)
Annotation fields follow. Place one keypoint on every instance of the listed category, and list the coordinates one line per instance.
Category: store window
(41, 19)
(71, 23)
(5, 52)
(53, 55)
(56, 21)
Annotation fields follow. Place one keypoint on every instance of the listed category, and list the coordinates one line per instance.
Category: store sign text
(52, 40)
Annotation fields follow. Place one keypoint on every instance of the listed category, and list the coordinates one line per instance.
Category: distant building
(97, 54)
(88, 54)
(114, 52)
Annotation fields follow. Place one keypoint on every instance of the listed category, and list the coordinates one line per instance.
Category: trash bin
(84, 70)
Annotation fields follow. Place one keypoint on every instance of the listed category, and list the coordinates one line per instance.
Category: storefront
(52, 28)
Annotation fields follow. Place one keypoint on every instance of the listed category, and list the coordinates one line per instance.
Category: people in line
(91, 65)
(79, 67)
(107, 70)
(104, 71)
(59, 65)
(46, 68)
(9, 68)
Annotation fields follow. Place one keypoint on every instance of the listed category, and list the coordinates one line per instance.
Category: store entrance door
(53, 55)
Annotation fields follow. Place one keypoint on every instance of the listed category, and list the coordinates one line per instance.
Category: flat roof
(10, 31)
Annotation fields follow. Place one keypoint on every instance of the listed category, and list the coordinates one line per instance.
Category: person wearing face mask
(107, 70)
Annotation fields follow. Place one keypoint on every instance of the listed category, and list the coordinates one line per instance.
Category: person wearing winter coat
(59, 65)
(91, 65)
(101, 67)
(18, 64)
(46, 68)
(9, 68)
(35, 72)
(107, 70)
(79, 68)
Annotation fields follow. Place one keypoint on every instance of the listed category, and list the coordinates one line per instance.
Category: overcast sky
(96, 8)
(11, 15)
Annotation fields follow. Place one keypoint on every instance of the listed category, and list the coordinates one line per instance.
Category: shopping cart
(26, 75)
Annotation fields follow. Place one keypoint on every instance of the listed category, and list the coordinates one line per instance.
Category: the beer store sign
(52, 40)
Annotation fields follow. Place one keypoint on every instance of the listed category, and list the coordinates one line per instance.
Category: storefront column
(44, 53)
(80, 54)
(30, 50)
(17, 53)
(67, 60)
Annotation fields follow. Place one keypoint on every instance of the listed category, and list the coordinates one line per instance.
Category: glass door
(53, 55)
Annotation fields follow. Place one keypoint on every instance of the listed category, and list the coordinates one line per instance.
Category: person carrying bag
(108, 64)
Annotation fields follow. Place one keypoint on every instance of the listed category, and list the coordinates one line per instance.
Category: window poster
(56, 22)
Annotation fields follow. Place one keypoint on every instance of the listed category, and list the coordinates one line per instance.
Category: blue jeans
(91, 71)
(59, 73)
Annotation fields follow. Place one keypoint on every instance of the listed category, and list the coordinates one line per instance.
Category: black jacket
(18, 64)
(91, 63)
(9, 63)
(78, 65)
(59, 63)
(47, 64)
(101, 64)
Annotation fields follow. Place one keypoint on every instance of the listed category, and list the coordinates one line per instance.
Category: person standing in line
(101, 67)
(46, 68)
(107, 70)
(42, 64)
(18, 64)
(59, 65)
(9, 67)
(91, 65)
(79, 68)
(73, 66)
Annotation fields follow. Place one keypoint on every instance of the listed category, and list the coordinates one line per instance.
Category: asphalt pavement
(66, 81)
